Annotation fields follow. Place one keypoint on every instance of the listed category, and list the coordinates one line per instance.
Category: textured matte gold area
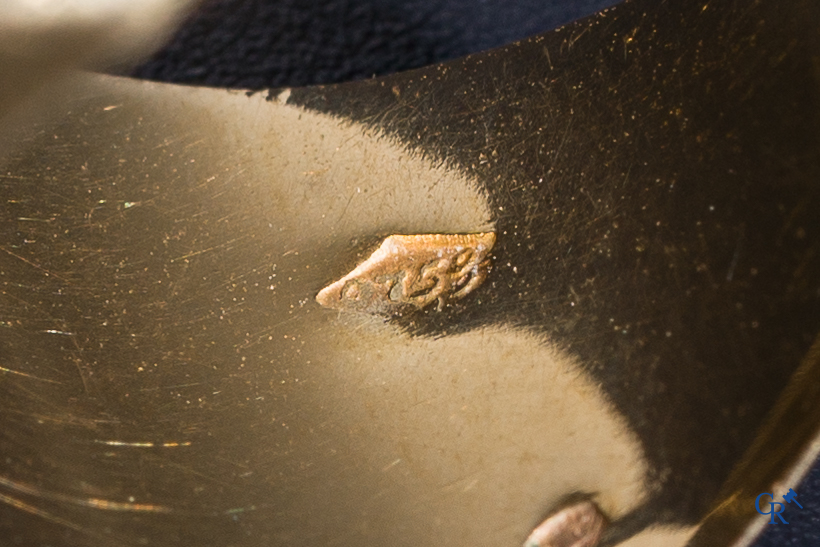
(413, 271)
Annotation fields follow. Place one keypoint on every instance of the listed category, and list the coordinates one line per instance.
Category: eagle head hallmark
(413, 271)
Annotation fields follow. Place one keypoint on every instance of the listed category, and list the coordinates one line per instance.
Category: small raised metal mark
(578, 525)
(413, 271)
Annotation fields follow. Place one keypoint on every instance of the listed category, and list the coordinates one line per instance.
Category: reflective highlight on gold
(579, 525)
(144, 444)
(95, 503)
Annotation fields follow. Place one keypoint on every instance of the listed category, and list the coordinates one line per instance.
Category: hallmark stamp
(413, 271)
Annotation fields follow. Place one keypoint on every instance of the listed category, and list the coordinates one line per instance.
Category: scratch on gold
(30, 263)
(203, 251)
(316, 172)
(143, 444)
(18, 373)
(14, 502)
(238, 510)
(62, 332)
(95, 503)
(28, 219)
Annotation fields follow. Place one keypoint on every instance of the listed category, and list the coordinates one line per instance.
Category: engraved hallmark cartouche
(413, 271)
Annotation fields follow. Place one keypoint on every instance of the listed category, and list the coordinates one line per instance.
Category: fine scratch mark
(143, 444)
(176, 386)
(549, 60)
(238, 510)
(575, 38)
(209, 249)
(391, 465)
(409, 271)
(18, 373)
(28, 219)
(94, 503)
(738, 247)
(30, 263)
(14, 502)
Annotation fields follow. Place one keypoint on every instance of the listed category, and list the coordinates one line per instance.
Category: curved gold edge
(788, 440)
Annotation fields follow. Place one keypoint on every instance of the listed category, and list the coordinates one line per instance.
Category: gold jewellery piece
(413, 271)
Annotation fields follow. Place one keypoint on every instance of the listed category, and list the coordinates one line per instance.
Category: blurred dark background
(257, 44)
